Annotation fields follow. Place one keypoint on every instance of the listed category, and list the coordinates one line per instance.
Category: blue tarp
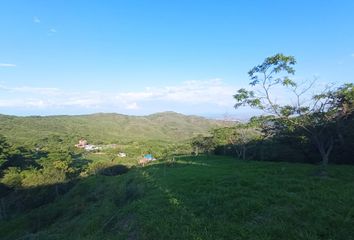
(148, 156)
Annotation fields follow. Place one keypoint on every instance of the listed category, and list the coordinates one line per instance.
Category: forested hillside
(104, 128)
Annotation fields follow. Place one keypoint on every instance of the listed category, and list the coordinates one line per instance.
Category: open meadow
(205, 197)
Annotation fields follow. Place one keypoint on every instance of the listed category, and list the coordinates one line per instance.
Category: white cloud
(37, 103)
(352, 55)
(7, 65)
(36, 20)
(132, 106)
(41, 91)
(210, 93)
(83, 100)
(52, 30)
(32, 90)
(213, 91)
(11, 103)
(23, 103)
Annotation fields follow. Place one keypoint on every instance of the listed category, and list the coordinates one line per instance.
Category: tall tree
(203, 144)
(315, 116)
(239, 138)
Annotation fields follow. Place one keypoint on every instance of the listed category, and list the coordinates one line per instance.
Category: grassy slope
(167, 126)
(199, 198)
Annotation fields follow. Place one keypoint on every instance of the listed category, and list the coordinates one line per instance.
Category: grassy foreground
(199, 198)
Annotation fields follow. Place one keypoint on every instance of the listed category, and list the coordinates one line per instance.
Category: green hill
(105, 127)
(193, 198)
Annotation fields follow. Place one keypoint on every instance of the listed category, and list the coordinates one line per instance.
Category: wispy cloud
(52, 32)
(23, 103)
(7, 65)
(209, 93)
(213, 91)
(352, 55)
(36, 20)
(32, 90)
(132, 106)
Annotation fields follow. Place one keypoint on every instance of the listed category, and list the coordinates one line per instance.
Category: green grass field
(199, 198)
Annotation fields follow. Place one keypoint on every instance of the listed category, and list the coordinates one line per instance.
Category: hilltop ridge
(107, 127)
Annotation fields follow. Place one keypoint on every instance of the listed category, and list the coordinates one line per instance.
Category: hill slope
(107, 128)
(197, 198)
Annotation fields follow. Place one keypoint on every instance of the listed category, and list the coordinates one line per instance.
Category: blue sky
(139, 57)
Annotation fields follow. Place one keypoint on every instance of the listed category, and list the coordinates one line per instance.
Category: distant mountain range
(106, 127)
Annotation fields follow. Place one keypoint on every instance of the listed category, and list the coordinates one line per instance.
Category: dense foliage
(35, 131)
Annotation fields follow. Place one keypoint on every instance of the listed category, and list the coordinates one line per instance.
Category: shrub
(12, 177)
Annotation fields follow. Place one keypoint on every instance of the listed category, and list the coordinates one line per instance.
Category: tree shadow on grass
(14, 201)
(42, 207)
(166, 214)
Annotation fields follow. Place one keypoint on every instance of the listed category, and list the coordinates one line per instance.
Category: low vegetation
(196, 198)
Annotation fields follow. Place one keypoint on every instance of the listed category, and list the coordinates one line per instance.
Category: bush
(12, 177)
(45, 176)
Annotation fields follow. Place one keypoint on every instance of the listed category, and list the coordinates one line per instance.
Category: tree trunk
(2, 210)
(238, 152)
(324, 148)
(243, 152)
(56, 190)
(325, 159)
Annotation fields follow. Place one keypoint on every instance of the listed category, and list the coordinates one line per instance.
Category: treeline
(265, 138)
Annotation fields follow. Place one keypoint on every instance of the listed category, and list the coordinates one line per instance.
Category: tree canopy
(316, 116)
